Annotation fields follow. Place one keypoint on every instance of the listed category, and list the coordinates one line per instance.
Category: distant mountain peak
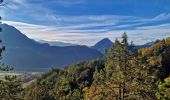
(103, 44)
(105, 40)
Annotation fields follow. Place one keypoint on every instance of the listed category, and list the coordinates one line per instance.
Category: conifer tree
(131, 74)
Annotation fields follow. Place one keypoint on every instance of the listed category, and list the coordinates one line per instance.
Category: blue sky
(88, 21)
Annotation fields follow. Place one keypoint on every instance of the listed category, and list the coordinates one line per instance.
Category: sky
(85, 22)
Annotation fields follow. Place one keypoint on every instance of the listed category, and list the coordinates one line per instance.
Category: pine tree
(131, 74)
(114, 68)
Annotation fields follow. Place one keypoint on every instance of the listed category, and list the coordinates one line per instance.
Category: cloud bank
(84, 22)
(96, 29)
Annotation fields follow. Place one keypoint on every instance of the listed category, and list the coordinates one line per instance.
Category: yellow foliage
(146, 52)
(155, 60)
(106, 91)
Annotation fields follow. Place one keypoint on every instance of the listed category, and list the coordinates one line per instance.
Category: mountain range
(26, 54)
(23, 53)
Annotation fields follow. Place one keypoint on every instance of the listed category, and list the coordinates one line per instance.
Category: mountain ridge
(24, 53)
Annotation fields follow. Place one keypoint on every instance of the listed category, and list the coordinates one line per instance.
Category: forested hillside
(64, 50)
(125, 74)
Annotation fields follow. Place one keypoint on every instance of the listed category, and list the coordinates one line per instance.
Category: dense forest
(124, 74)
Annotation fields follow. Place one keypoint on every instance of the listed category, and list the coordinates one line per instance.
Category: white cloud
(86, 29)
(162, 26)
(140, 35)
(40, 32)
(14, 4)
(163, 16)
(37, 12)
(114, 21)
(67, 3)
